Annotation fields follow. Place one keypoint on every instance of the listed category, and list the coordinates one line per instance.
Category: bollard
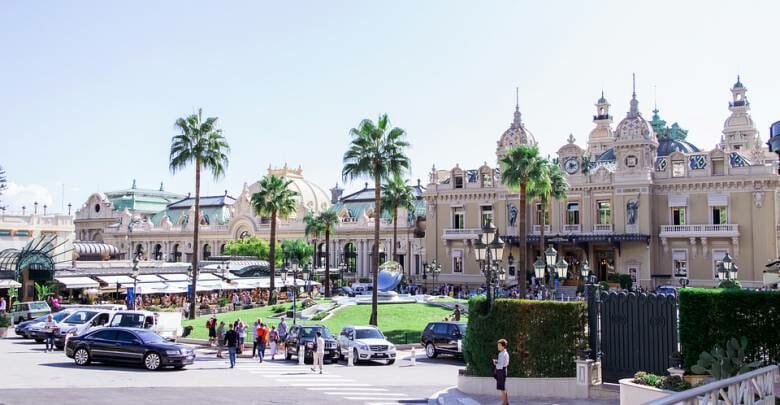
(413, 357)
(301, 354)
(350, 358)
(460, 345)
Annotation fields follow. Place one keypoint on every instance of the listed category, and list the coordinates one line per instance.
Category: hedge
(543, 337)
(713, 316)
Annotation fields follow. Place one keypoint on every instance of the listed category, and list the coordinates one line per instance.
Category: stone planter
(525, 387)
(635, 394)
(3, 332)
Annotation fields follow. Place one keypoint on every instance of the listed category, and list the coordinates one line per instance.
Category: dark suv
(305, 335)
(443, 338)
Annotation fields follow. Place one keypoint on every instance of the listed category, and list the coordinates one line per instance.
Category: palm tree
(397, 194)
(274, 200)
(551, 184)
(314, 229)
(376, 151)
(328, 219)
(201, 143)
(520, 166)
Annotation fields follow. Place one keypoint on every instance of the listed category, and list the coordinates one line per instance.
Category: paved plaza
(37, 377)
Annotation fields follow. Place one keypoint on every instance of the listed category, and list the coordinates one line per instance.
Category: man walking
(456, 313)
(49, 328)
(231, 338)
(262, 340)
(282, 329)
(220, 338)
(254, 336)
(319, 352)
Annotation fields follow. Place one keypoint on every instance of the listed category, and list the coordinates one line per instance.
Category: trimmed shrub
(710, 317)
(543, 337)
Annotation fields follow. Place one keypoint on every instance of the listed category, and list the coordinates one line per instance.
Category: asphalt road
(28, 375)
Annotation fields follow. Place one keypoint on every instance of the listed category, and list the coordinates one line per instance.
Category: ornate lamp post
(135, 279)
(434, 268)
(342, 270)
(488, 256)
(727, 269)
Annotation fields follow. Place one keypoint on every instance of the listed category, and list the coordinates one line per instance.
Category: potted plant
(646, 387)
(5, 323)
(726, 363)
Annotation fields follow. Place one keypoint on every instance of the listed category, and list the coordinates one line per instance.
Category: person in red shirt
(262, 340)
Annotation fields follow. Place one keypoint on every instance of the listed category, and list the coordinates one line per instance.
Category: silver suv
(366, 343)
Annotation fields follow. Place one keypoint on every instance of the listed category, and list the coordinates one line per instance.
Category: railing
(537, 229)
(348, 220)
(632, 228)
(755, 387)
(571, 228)
(462, 233)
(602, 228)
(701, 229)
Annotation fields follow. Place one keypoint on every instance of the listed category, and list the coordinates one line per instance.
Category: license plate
(380, 355)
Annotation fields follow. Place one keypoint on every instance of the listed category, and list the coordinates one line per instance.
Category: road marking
(335, 384)
(367, 398)
(350, 388)
(366, 393)
(314, 380)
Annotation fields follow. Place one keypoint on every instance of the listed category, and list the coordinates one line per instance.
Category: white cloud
(18, 195)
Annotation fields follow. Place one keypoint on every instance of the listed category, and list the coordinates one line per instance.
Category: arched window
(176, 255)
(158, 252)
(206, 252)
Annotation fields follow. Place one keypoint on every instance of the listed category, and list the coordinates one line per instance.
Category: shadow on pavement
(107, 366)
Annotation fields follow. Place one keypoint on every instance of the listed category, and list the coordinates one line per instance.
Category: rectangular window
(718, 167)
(678, 169)
(539, 215)
(458, 220)
(680, 263)
(573, 213)
(678, 216)
(719, 215)
(458, 181)
(486, 215)
(416, 264)
(604, 212)
(457, 261)
(487, 180)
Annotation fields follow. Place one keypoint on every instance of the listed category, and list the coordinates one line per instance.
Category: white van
(362, 288)
(165, 324)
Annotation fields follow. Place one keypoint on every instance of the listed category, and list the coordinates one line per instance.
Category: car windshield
(309, 332)
(38, 306)
(368, 334)
(150, 337)
(128, 320)
(40, 319)
(80, 317)
(59, 316)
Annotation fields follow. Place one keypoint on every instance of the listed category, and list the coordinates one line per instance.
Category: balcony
(537, 229)
(571, 228)
(701, 230)
(603, 228)
(461, 234)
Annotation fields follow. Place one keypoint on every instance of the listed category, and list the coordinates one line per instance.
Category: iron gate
(632, 332)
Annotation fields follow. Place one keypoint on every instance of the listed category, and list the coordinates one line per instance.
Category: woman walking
(273, 339)
(501, 363)
(220, 339)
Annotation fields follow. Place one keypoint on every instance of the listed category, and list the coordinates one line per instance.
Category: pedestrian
(49, 326)
(282, 329)
(254, 336)
(235, 301)
(262, 340)
(3, 304)
(241, 331)
(211, 325)
(319, 352)
(273, 340)
(456, 313)
(220, 339)
(501, 363)
(231, 338)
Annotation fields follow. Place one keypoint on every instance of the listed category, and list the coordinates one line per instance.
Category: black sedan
(128, 345)
(305, 335)
(23, 328)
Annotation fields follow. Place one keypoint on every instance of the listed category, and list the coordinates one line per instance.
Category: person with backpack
(262, 340)
(319, 352)
(231, 338)
(211, 325)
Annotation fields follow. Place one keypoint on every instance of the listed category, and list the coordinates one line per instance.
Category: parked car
(666, 290)
(305, 335)
(25, 311)
(366, 343)
(348, 291)
(36, 329)
(80, 322)
(165, 324)
(443, 338)
(22, 329)
(362, 288)
(128, 345)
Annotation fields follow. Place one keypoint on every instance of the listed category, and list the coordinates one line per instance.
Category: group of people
(233, 337)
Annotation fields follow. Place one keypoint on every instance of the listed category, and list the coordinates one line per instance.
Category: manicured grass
(401, 323)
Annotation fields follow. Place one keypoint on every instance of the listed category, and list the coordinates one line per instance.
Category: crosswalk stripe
(349, 388)
(335, 384)
(367, 393)
(366, 398)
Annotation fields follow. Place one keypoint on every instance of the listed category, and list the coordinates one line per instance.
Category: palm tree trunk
(272, 260)
(327, 261)
(375, 250)
(521, 260)
(196, 229)
(541, 231)
(395, 232)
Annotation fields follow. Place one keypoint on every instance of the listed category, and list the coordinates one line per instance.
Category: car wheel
(287, 354)
(355, 357)
(178, 367)
(81, 357)
(152, 361)
(391, 361)
(430, 351)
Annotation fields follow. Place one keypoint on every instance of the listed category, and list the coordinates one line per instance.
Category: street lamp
(585, 269)
(342, 270)
(434, 268)
(725, 268)
(488, 257)
(562, 267)
(306, 274)
(135, 279)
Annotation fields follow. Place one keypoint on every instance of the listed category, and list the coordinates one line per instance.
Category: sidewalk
(452, 396)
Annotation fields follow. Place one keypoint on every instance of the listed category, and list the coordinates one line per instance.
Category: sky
(89, 90)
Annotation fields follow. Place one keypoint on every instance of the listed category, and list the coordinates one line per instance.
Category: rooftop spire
(634, 111)
(633, 79)
(517, 121)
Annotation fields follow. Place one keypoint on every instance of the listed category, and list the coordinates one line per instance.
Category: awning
(174, 277)
(151, 288)
(112, 281)
(78, 282)
(94, 249)
(9, 284)
(149, 278)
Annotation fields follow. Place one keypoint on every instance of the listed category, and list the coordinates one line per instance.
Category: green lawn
(401, 323)
(249, 316)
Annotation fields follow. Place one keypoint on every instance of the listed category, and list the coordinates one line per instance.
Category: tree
(550, 184)
(251, 246)
(42, 291)
(200, 142)
(397, 194)
(376, 151)
(274, 200)
(3, 183)
(298, 250)
(313, 229)
(519, 166)
(328, 219)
